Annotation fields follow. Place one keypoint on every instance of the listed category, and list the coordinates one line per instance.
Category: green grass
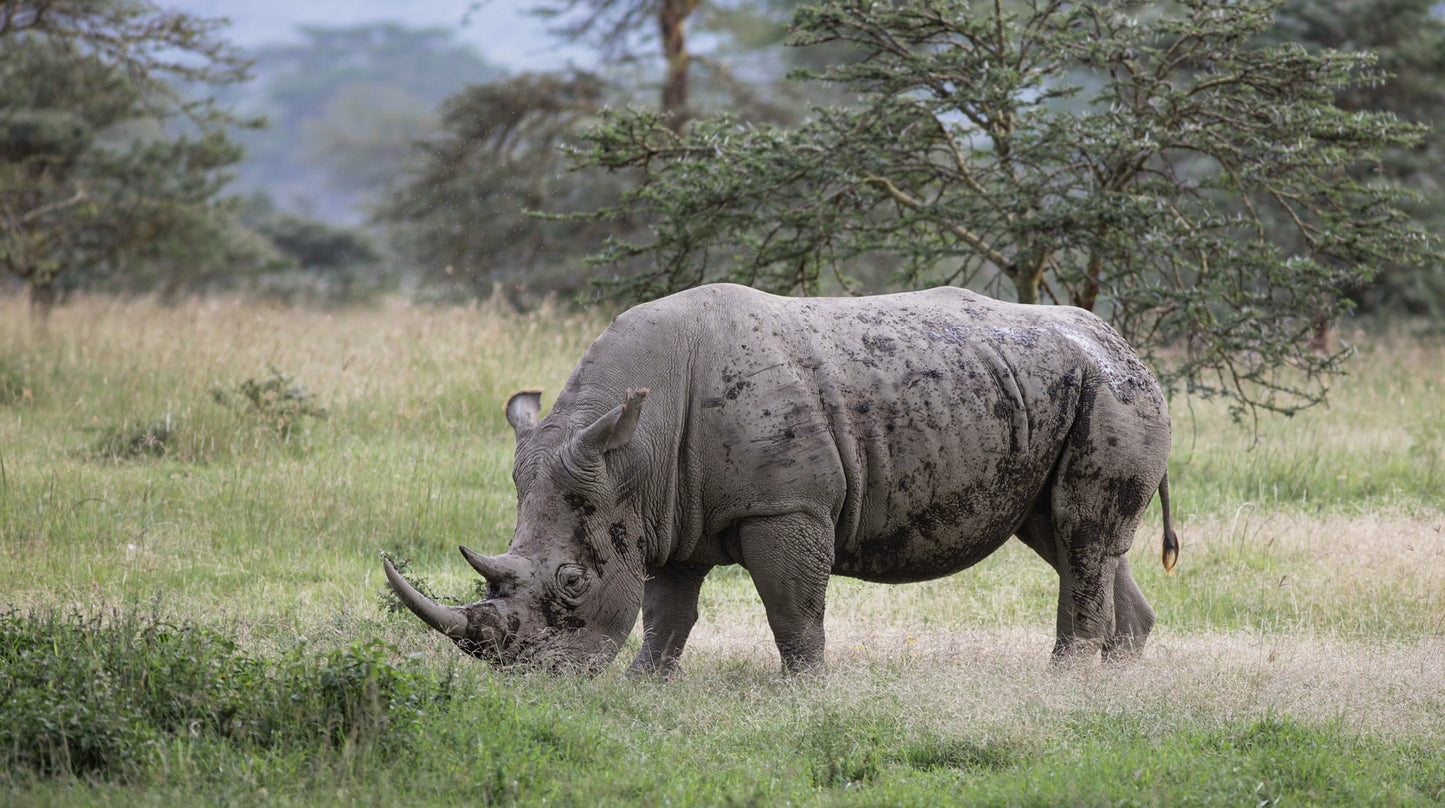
(872, 734)
(1380, 440)
(164, 541)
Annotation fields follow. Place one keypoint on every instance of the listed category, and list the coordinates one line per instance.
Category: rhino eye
(572, 581)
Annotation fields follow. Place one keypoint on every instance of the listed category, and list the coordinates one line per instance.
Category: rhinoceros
(891, 438)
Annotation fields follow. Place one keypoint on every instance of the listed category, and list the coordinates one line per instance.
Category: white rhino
(892, 438)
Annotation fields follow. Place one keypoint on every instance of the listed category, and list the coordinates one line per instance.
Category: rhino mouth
(481, 630)
(559, 652)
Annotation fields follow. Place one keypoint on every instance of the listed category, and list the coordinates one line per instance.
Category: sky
(500, 30)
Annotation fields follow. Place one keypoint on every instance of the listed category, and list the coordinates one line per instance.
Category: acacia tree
(90, 176)
(472, 207)
(1170, 171)
(624, 31)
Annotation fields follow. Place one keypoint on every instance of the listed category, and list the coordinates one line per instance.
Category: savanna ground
(194, 500)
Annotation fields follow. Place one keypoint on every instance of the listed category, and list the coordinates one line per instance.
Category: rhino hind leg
(1133, 616)
(669, 610)
(1086, 521)
(790, 558)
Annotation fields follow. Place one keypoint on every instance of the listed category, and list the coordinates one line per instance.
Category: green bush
(254, 411)
(14, 384)
(277, 399)
(134, 442)
(93, 695)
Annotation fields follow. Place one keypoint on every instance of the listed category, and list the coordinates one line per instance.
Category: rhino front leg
(669, 610)
(790, 558)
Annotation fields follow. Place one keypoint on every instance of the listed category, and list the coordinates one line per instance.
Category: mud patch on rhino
(587, 554)
(875, 344)
(579, 503)
(736, 384)
(800, 422)
(1004, 410)
(1115, 361)
(1022, 337)
(1129, 494)
(559, 616)
(931, 542)
(935, 331)
(617, 532)
(1084, 417)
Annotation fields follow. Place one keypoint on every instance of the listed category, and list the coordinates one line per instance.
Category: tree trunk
(42, 301)
(1027, 273)
(1322, 339)
(1089, 295)
(1026, 286)
(671, 16)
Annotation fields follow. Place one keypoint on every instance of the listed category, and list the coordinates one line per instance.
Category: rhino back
(924, 424)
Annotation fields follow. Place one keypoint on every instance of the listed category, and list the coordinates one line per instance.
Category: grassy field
(194, 500)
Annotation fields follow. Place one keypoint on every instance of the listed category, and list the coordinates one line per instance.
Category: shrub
(277, 399)
(15, 386)
(134, 442)
(92, 695)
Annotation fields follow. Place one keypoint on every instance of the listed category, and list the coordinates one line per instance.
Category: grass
(197, 496)
(1381, 439)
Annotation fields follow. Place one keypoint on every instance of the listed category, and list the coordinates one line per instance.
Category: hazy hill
(342, 118)
(500, 30)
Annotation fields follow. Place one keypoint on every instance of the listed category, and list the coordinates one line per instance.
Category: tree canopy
(104, 165)
(1166, 167)
(482, 203)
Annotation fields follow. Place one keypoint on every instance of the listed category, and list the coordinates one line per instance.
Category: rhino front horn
(449, 620)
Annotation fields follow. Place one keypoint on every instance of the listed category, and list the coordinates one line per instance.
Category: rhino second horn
(449, 620)
(498, 570)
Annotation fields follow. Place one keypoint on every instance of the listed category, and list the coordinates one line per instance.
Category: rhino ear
(523, 409)
(614, 429)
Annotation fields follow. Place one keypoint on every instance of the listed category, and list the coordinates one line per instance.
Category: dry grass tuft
(1334, 618)
(999, 684)
(1372, 574)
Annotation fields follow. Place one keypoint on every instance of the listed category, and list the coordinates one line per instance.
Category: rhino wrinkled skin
(893, 438)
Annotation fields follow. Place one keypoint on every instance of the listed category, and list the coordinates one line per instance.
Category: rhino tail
(1171, 540)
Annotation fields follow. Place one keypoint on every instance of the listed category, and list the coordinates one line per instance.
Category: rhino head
(567, 592)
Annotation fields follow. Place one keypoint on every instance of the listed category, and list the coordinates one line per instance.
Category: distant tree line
(344, 107)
